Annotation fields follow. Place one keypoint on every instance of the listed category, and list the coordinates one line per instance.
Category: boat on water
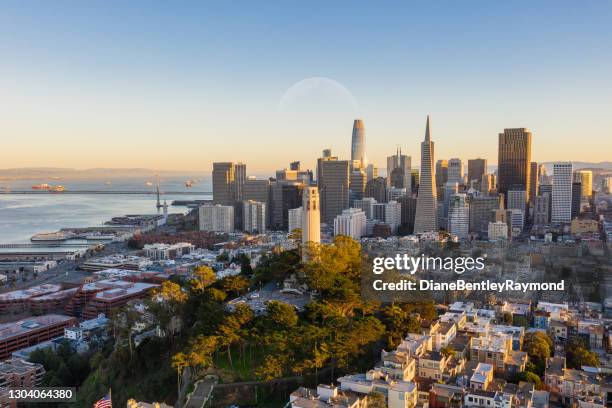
(148, 184)
(188, 183)
(108, 183)
(56, 189)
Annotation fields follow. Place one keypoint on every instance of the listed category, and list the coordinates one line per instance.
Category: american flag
(105, 402)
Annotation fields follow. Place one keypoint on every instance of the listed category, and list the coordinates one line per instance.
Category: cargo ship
(43, 186)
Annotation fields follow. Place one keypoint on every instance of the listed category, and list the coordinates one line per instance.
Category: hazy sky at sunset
(177, 85)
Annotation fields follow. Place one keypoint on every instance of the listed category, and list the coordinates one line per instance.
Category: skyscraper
(377, 189)
(311, 221)
(455, 171)
(514, 160)
(240, 178)
(576, 199)
(480, 212)
(459, 216)
(352, 222)
(333, 188)
(393, 215)
(296, 216)
(408, 205)
(441, 172)
(476, 169)
(218, 218)
(402, 162)
(585, 178)
(426, 212)
(254, 216)
(541, 211)
(357, 184)
(358, 152)
(534, 175)
(488, 184)
(223, 180)
(562, 193)
(285, 196)
(371, 171)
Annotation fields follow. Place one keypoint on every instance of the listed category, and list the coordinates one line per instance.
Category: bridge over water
(115, 192)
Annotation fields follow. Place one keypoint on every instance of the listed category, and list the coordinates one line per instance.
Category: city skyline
(236, 84)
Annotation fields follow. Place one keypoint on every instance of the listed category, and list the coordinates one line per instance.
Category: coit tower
(311, 216)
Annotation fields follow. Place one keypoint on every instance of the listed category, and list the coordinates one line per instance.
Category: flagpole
(110, 396)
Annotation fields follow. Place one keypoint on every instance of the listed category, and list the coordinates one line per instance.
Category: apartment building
(573, 387)
(400, 394)
(397, 365)
(326, 396)
(496, 349)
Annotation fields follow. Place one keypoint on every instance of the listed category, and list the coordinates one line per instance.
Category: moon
(318, 95)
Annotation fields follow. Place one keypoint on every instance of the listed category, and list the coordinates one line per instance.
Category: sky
(178, 85)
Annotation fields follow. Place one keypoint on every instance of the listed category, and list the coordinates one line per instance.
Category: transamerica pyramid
(426, 218)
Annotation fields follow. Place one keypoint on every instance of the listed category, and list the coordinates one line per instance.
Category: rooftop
(30, 292)
(20, 327)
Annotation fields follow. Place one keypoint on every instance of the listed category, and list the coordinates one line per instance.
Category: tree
(538, 345)
(171, 292)
(271, 368)
(201, 351)
(203, 277)
(234, 284)
(578, 354)
(179, 363)
(281, 315)
(528, 376)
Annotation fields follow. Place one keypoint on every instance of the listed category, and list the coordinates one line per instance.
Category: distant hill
(584, 165)
(50, 172)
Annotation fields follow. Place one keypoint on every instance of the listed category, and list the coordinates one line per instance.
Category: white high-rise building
(217, 218)
(366, 205)
(254, 216)
(352, 222)
(498, 230)
(562, 193)
(295, 218)
(459, 216)
(455, 171)
(311, 216)
(393, 215)
(426, 218)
